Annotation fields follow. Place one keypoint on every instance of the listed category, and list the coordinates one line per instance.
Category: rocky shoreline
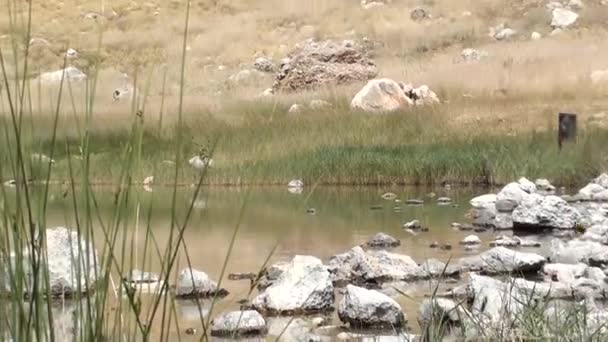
(492, 291)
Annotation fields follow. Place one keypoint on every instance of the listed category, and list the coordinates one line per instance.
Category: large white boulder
(381, 95)
(304, 287)
(563, 18)
(537, 211)
(369, 308)
(513, 193)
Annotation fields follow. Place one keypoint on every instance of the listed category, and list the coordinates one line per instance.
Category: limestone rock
(369, 308)
(381, 95)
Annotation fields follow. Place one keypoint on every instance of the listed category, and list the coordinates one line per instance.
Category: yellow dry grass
(518, 79)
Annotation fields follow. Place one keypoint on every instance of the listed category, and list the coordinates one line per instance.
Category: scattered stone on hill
(562, 18)
(318, 104)
(71, 73)
(535, 36)
(264, 64)
(599, 76)
(419, 13)
(502, 32)
(368, 5)
(381, 95)
(472, 55)
(39, 42)
(422, 95)
(295, 109)
(321, 63)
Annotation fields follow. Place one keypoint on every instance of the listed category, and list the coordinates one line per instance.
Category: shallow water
(343, 218)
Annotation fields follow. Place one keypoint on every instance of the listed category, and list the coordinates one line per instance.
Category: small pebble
(446, 247)
(434, 244)
(190, 331)
(311, 211)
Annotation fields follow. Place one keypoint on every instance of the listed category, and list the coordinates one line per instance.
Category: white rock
(473, 55)
(576, 251)
(526, 185)
(39, 158)
(423, 95)
(512, 192)
(304, 287)
(72, 74)
(239, 323)
(193, 283)
(369, 308)
(551, 5)
(373, 267)
(563, 18)
(295, 183)
(535, 36)
(484, 201)
(148, 180)
(200, 163)
(505, 34)
(381, 95)
(71, 53)
(545, 212)
(588, 192)
(72, 265)
(502, 260)
(442, 310)
(295, 109)
(264, 64)
(564, 272)
(602, 180)
(599, 76)
(471, 240)
(544, 185)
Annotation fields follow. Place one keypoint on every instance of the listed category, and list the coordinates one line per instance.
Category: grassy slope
(496, 122)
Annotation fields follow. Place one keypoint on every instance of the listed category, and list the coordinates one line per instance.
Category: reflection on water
(341, 219)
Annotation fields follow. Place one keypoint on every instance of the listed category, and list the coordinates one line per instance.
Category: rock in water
(373, 267)
(72, 263)
(313, 64)
(304, 287)
(502, 260)
(239, 323)
(563, 18)
(141, 277)
(440, 310)
(193, 283)
(381, 95)
(537, 211)
(369, 308)
(471, 240)
(382, 240)
(483, 201)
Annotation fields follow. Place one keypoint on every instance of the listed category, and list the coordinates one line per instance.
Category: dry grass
(518, 78)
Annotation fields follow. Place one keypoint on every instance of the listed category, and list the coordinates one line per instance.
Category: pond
(321, 223)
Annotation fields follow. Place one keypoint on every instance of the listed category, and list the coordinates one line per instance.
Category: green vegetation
(335, 146)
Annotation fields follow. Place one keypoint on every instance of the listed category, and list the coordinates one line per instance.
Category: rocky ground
(241, 50)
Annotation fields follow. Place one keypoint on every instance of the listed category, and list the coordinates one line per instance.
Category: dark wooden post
(567, 128)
